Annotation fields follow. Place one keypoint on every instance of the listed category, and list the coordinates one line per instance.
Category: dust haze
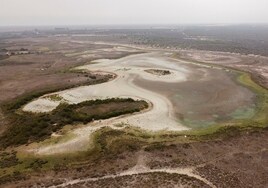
(98, 12)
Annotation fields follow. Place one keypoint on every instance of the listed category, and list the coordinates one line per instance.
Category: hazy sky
(92, 12)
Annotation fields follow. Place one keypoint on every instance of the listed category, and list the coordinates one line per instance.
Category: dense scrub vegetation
(8, 159)
(27, 127)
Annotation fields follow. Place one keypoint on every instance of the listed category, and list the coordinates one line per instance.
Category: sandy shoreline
(159, 118)
(134, 81)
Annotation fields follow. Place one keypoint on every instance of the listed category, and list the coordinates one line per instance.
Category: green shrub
(27, 127)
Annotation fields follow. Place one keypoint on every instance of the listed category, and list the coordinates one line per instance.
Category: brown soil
(20, 74)
(237, 161)
(240, 161)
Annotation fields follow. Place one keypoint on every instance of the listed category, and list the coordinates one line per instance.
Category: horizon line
(137, 24)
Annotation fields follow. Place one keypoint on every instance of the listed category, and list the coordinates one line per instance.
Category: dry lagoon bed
(190, 93)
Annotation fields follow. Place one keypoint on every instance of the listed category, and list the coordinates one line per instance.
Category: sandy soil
(42, 105)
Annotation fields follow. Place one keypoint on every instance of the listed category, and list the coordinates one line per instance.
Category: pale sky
(103, 12)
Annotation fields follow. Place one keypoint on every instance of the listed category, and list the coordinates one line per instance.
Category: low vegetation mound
(29, 127)
(158, 72)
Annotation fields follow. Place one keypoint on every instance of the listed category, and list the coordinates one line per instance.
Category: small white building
(23, 52)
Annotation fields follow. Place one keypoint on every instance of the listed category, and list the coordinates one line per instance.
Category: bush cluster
(27, 127)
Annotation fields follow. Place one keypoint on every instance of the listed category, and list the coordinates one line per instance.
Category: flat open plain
(204, 125)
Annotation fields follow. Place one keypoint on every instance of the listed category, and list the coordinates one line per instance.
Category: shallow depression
(186, 96)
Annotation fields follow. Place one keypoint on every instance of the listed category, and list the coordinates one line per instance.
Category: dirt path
(140, 169)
